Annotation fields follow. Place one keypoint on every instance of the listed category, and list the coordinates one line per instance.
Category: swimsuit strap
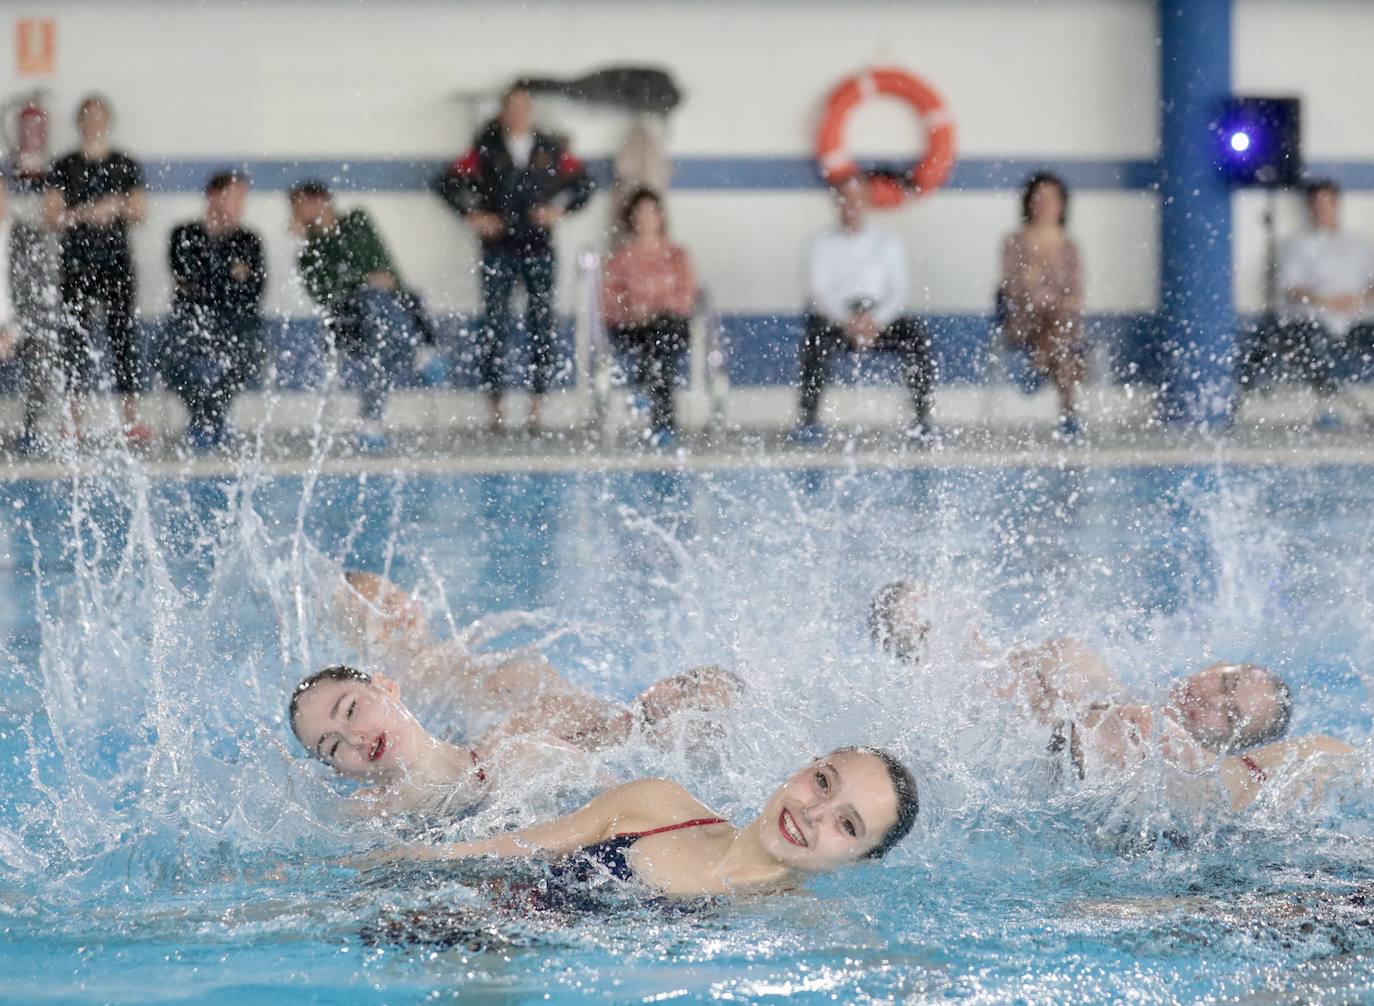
(1255, 768)
(699, 822)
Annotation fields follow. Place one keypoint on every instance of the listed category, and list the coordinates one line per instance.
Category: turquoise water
(162, 841)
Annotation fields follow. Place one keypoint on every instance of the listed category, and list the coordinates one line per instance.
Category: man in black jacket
(214, 344)
(513, 187)
(95, 195)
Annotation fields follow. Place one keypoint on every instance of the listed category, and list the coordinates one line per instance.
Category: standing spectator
(647, 300)
(1326, 282)
(215, 334)
(1040, 300)
(367, 309)
(29, 317)
(856, 284)
(513, 187)
(94, 195)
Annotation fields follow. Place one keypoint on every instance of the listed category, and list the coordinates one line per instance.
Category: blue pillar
(1197, 316)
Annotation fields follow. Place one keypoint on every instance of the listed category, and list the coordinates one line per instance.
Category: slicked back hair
(908, 799)
(337, 672)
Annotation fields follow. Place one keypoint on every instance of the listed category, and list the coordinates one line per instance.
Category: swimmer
(1112, 738)
(360, 727)
(1226, 708)
(855, 803)
(388, 625)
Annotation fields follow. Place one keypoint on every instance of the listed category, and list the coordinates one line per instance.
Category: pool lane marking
(787, 460)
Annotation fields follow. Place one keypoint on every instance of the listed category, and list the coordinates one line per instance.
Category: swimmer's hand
(387, 857)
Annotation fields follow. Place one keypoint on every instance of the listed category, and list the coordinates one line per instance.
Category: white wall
(1318, 50)
(1067, 78)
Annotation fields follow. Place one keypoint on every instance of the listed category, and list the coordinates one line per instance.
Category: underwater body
(162, 837)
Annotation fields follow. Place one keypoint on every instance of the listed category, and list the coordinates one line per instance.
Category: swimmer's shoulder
(650, 803)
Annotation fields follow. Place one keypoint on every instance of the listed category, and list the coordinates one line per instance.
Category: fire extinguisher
(24, 126)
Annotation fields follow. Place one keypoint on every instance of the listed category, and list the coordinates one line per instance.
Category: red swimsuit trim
(1254, 767)
(699, 822)
(481, 776)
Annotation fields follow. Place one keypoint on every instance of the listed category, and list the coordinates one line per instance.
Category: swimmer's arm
(1062, 670)
(615, 810)
(1245, 775)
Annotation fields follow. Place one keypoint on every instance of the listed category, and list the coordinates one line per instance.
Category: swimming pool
(160, 840)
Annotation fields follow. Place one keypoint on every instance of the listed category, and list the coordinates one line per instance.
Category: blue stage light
(1240, 141)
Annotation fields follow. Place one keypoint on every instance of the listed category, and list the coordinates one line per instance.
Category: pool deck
(980, 428)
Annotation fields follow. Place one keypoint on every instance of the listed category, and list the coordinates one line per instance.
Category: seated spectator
(1040, 300)
(1326, 285)
(647, 296)
(30, 319)
(368, 312)
(215, 329)
(513, 187)
(856, 287)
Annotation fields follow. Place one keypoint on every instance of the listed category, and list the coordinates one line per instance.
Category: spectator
(856, 284)
(94, 195)
(1040, 300)
(214, 345)
(1326, 284)
(29, 317)
(367, 309)
(647, 300)
(513, 187)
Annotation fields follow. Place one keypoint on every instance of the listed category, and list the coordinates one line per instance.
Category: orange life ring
(887, 189)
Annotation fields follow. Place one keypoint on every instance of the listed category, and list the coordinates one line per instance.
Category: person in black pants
(215, 341)
(94, 195)
(647, 295)
(856, 285)
(513, 187)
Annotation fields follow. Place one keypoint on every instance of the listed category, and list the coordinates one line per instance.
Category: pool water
(162, 840)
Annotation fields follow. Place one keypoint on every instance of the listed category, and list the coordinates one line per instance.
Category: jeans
(905, 336)
(85, 286)
(501, 268)
(654, 350)
(208, 362)
(1307, 347)
(387, 338)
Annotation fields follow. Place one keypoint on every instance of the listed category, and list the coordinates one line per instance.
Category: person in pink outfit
(647, 296)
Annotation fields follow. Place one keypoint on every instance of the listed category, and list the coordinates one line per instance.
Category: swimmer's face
(1227, 705)
(834, 811)
(360, 730)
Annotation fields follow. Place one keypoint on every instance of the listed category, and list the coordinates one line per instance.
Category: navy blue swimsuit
(610, 853)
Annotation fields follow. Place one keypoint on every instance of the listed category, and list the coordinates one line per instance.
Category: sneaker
(372, 443)
(807, 434)
(1327, 420)
(27, 445)
(662, 439)
(137, 434)
(200, 439)
(921, 434)
(1070, 428)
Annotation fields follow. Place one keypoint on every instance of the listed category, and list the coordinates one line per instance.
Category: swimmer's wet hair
(881, 621)
(338, 672)
(908, 800)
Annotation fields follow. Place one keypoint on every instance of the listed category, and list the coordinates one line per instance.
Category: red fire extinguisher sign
(35, 46)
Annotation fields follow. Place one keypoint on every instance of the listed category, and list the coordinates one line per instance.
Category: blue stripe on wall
(689, 173)
(695, 174)
(763, 351)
